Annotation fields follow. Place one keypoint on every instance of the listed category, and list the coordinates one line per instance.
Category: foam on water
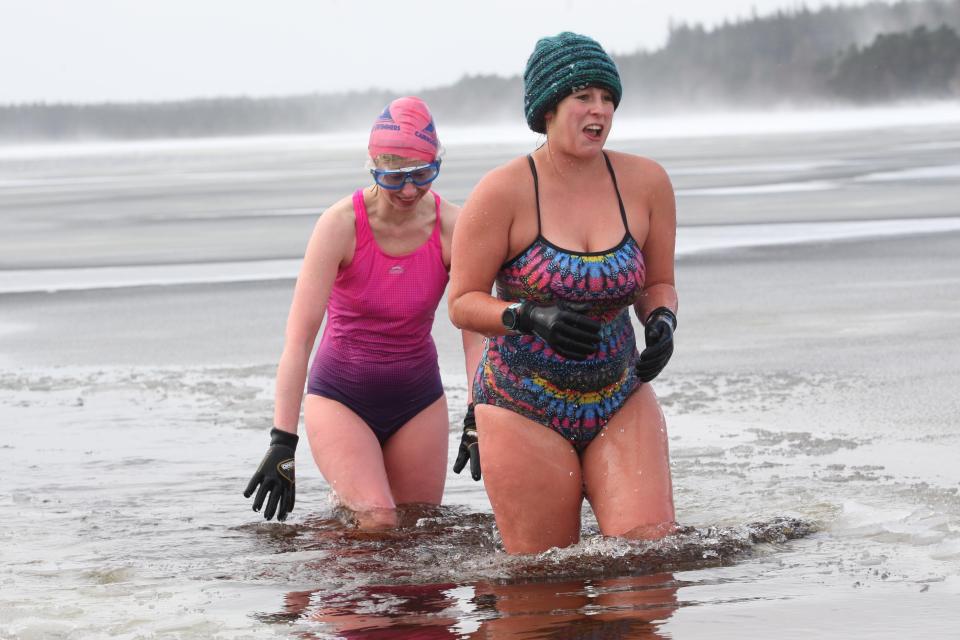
(114, 519)
(451, 544)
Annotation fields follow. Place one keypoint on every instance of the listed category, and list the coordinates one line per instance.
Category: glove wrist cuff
(469, 421)
(524, 317)
(663, 312)
(285, 438)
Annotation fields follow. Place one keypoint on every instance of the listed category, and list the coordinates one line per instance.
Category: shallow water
(128, 520)
(811, 407)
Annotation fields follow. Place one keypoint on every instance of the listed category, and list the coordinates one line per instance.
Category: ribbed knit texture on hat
(561, 64)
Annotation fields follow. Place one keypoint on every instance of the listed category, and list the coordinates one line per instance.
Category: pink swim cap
(405, 128)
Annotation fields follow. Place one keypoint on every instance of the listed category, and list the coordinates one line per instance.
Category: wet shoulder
(449, 212)
(335, 230)
(338, 221)
(638, 171)
(448, 217)
(340, 212)
(644, 186)
(505, 186)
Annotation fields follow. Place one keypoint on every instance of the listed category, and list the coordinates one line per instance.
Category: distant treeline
(804, 56)
(877, 52)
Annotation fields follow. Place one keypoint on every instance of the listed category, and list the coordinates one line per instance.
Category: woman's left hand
(469, 448)
(658, 332)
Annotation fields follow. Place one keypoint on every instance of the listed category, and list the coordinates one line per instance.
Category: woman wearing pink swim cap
(376, 267)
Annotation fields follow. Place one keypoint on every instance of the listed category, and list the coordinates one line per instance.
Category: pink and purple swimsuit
(377, 356)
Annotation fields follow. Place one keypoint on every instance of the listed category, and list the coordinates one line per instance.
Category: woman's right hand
(275, 476)
(563, 326)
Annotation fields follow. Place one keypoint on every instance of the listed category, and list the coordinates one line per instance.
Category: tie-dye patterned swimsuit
(522, 373)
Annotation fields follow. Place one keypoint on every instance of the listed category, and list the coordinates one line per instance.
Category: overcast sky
(120, 50)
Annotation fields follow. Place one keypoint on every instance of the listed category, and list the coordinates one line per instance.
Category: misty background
(799, 57)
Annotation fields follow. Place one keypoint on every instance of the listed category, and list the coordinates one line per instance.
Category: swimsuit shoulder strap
(536, 189)
(437, 228)
(623, 212)
(362, 228)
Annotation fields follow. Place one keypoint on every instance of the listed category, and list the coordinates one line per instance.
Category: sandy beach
(813, 383)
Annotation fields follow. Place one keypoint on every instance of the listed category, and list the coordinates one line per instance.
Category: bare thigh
(626, 471)
(348, 455)
(415, 457)
(532, 477)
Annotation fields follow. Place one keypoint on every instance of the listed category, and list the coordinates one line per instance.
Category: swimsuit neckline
(373, 238)
(627, 236)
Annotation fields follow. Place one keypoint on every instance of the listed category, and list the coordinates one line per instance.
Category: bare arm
(472, 352)
(331, 245)
(481, 242)
(472, 341)
(658, 249)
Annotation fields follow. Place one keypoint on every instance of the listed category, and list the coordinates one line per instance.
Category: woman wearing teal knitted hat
(572, 236)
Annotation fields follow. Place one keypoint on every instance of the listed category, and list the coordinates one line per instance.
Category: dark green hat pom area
(559, 65)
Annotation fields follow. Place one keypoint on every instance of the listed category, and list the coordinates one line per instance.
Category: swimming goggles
(394, 179)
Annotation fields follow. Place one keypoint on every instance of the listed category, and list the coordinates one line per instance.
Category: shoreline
(778, 120)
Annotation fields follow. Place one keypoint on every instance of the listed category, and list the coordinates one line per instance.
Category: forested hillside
(872, 53)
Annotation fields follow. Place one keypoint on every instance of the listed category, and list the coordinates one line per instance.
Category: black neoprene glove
(563, 326)
(275, 475)
(658, 332)
(469, 447)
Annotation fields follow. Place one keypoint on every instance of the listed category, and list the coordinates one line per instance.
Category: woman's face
(582, 120)
(406, 197)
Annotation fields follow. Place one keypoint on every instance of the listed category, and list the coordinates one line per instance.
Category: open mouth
(593, 131)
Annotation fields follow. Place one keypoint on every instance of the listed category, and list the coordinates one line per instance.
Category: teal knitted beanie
(558, 66)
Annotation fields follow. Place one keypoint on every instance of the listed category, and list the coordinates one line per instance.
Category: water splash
(451, 544)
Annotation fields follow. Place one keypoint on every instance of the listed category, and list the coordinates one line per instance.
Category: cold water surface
(811, 405)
